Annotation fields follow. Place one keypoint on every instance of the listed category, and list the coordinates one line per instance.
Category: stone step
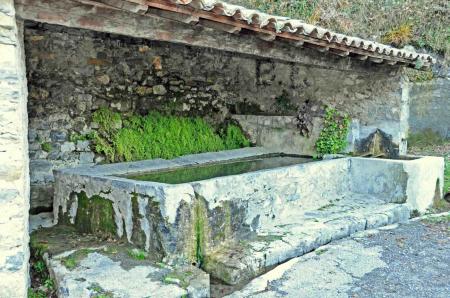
(298, 233)
(85, 266)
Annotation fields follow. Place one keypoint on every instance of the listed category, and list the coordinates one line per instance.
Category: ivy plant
(333, 137)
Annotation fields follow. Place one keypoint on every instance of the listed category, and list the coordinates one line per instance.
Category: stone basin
(238, 224)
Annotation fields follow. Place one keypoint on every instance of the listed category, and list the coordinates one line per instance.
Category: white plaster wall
(14, 173)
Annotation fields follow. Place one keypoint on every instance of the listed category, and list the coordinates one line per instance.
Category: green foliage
(137, 254)
(233, 138)
(333, 137)
(46, 146)
(39, 266)
(36, 293)
(157, 136)
(76, 137)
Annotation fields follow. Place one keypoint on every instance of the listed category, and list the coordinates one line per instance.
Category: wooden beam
(179, 17)
(220, 26)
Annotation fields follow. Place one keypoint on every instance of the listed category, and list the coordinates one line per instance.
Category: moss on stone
(74, 259)
(200, 231)
(95, 215)
(179, 278)
(138, 237)
(136, 137)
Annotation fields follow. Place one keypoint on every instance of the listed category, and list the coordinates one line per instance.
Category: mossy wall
(130, 138)
(95, 215)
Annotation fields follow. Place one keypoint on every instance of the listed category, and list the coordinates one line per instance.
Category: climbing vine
(333, 137)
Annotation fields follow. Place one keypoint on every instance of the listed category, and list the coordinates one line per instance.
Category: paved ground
(410, 260)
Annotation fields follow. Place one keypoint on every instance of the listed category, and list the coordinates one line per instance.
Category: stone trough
(240, 225)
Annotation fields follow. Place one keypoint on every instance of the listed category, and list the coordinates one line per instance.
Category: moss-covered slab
(90, 267)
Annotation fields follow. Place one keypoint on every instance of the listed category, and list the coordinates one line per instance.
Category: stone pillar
(14, 173)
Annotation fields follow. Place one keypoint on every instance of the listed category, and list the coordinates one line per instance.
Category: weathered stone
(103, 79)
(67, 147)
(14, 171)
(159, 90)
(237, 226)
(86, 266)
(86, 157)
(58, 136)
(83, 145)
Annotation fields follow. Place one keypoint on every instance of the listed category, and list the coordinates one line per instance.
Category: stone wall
(14, 179)
(430, 106)
(73, 72)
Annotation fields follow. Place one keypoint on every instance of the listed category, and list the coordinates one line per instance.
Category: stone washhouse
(61, 60)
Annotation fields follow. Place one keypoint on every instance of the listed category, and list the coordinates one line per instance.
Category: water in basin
(203, 172)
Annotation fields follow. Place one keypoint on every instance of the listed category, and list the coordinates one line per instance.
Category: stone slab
(90, 267)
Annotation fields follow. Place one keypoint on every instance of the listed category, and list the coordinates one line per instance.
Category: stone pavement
(406, 260)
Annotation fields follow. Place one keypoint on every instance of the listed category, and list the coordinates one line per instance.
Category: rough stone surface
(237, 226)
(73, 72)
(89, 267)
(409, 260)
(14, 177)
(430, 108)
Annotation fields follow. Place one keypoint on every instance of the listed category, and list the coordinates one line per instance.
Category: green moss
(95, 215)
(99, 292)
(320, 251)
(179, 278)
(74, 259)
(200, 231)
(46, 146)
(333, 137)
(157, 136)
(137, 254)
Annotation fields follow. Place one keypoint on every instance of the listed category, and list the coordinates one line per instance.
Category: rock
(86, 157)
(58, 136)
(68, 147)
(103, 79)
(83, 145)
(157, 63)
(96, 268)
(159, 90)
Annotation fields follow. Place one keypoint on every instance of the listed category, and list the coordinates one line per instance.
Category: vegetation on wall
(159, 136)
(422, 23)
(333, 137)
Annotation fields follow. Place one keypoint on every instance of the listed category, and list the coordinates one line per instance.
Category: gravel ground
(407, 260)
(417, 255)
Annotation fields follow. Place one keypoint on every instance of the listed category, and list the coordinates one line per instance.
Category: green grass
(135, 137)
